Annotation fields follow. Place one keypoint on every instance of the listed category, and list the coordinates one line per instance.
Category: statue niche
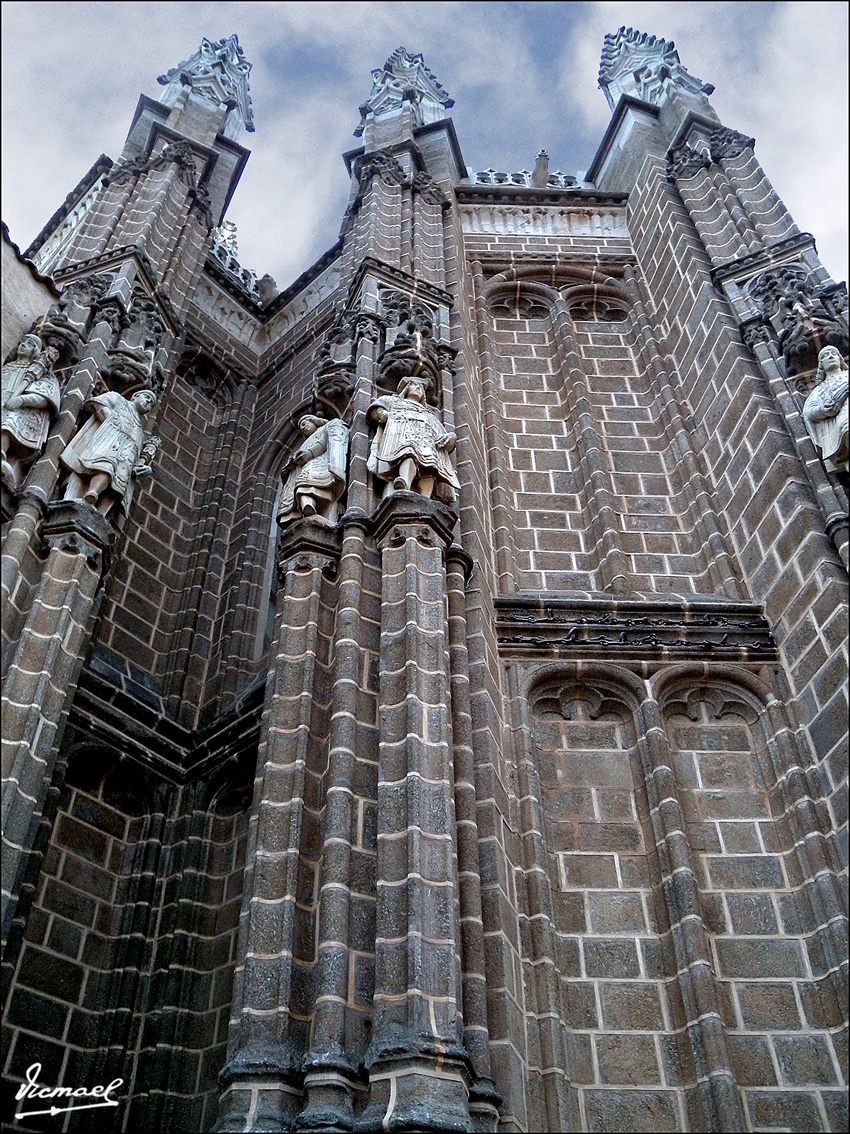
(109, 449)
(826, 407)
(411, 447)
(314, 478)
(30, 401)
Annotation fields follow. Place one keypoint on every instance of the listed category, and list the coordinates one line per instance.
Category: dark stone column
(419, 1072)
(261, 1088)
(42, 677)
(484, 1099)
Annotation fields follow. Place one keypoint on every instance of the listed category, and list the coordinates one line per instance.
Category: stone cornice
(389, 274)
(745, 266)
(642, 627)
(521, 195)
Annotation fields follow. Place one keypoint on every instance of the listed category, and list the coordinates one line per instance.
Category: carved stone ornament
(686, 161)
(826, 407)
(412, 351)
(404, 79)
(643, 66)
(314, 479)
(380, 164)
(218, 73)
(411, 447)
(30, 400)
(807, 328)
(726, 143)
(107, 451)
(429, 190)
(139, 335)
(68, 320)
(768, 289)
(178, 153)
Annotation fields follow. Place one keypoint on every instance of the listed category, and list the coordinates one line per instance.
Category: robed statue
(108, 449)
(314, 478)
(30, 401)
(411, 447)
(825, 409)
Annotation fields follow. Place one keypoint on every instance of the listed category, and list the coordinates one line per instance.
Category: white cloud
(72, 74)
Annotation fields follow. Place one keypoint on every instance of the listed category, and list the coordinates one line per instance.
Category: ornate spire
(217, 72)
(404, 79)
(640, 65)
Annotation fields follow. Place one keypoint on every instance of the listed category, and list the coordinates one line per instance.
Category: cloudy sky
(523, 76)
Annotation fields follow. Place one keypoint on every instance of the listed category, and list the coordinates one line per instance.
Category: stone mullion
(409, 236)
(419, 1073)
(427, 260)
(257, 1054)
(213, 529)
(42, 679)
(483, 1099)
(718, 1091)
(718, 560)
(822, 891)
(690, 189)
(836, 522)
(604, 520)
(497, 461)
(539, 941)
(732, 203)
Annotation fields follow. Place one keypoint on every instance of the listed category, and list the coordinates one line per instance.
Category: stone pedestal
(42, 676)
(419, 1073)
(261, 1079)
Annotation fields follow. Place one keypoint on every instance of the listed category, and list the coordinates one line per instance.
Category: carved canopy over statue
(411, 447)
(314, 479)
(30, 400)
(108, 449)
(826, 408)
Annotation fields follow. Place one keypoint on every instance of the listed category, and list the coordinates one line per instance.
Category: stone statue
(108, 450)
(30, 400)
(314, 478)
(825, 409)
(411, 448)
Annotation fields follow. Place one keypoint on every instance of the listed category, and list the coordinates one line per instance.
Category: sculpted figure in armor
(825, 410)
(31, 399)
(105, 452)
(314, 478)
(411, 447)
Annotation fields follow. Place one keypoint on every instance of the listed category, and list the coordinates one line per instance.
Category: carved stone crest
(405, 80)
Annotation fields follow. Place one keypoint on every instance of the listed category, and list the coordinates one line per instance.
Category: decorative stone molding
(685, 162)
(307, 544)
(429, 190)
(643, 66)
(76, 527)
(405, 80)
(555, 180)
(726, 143)
(411, 513)
(510, 219)
(577, 626)
(218, 73)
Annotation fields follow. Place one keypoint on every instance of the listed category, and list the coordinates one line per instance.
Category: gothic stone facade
(513, 803)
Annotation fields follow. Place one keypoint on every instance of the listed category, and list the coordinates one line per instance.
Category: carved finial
(404, 78)
(634, 63)
(540, 177)
(217, 72)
